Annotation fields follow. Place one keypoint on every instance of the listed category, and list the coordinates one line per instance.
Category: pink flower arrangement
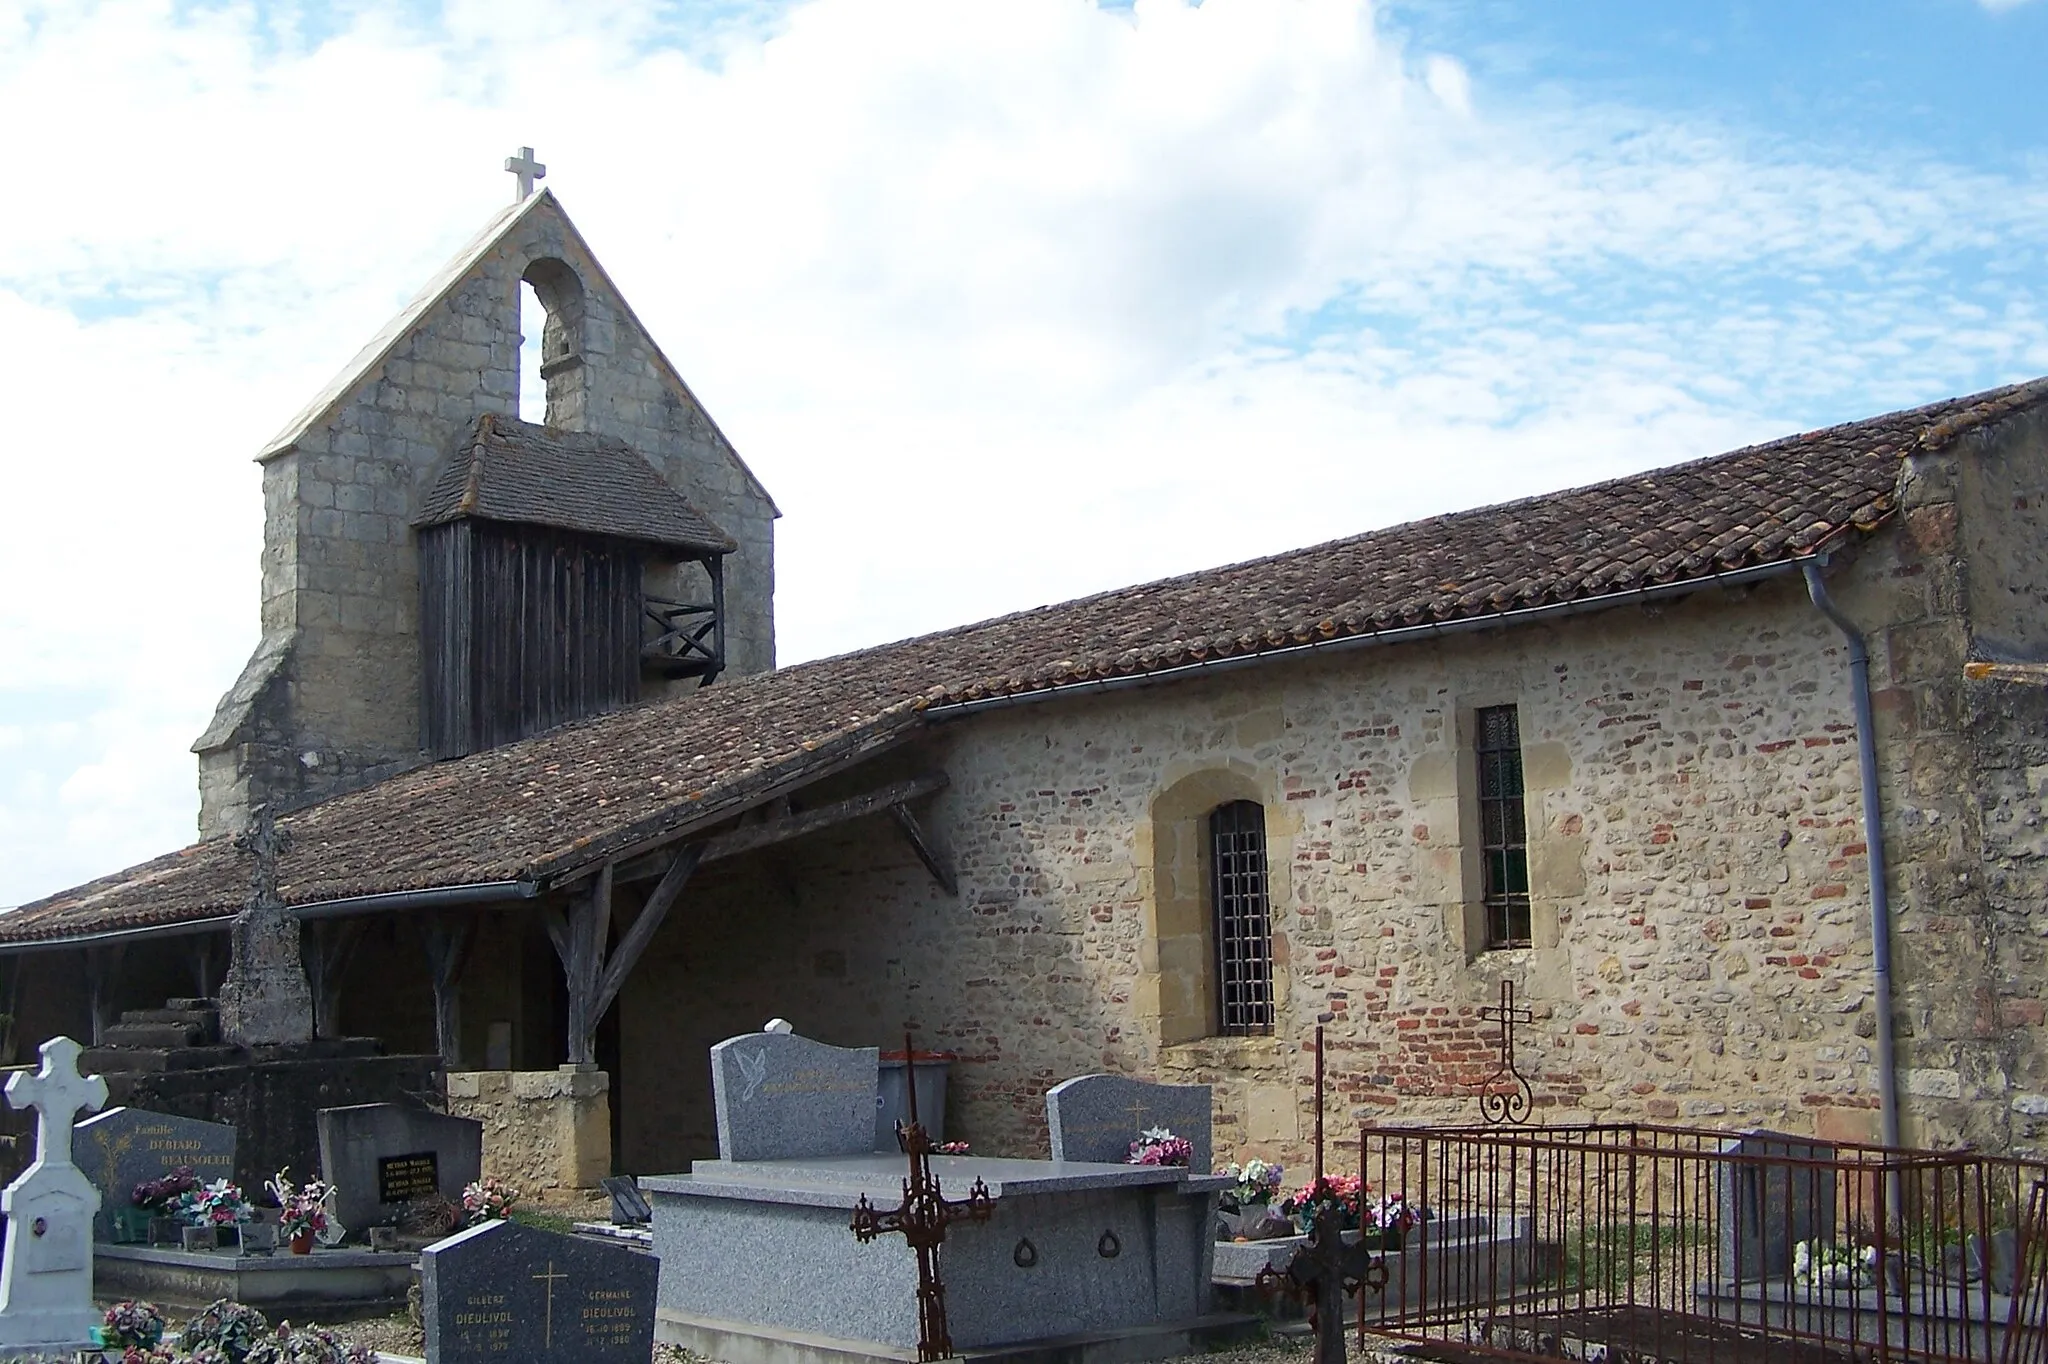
(1158, 1146)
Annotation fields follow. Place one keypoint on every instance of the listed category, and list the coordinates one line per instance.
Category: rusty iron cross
(921, 1220)
(1506, 1096)
(264, 841)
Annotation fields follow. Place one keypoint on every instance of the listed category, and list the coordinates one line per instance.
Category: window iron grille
(1503, 831)
(1244, 931)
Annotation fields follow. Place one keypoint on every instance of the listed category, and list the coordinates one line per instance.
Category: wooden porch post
(448, 939)
(330, 943)
(581, 937)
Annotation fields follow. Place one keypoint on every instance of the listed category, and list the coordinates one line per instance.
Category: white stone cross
(46, 1270)
(528, 170)
(57, 1092)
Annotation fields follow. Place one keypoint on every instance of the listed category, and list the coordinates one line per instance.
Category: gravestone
(46, 1275)
(380, 1157)
(779, 1096)
(1766, 1201)
(1097, 1117)
(502, 1292)
(124, 1147)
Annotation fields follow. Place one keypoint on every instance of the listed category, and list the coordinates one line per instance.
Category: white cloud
(1039, 297)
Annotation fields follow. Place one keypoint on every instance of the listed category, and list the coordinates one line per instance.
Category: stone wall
(1702, 921)
(331, 695)
(544, 1131)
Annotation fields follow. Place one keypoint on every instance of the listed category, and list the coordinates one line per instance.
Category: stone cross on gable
(528, 170)
(57, 1092)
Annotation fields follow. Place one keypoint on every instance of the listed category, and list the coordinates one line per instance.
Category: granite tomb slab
(1097, 1117)
(124, 1147)
(501, 1292)
(381, 1157)
(777, 1095)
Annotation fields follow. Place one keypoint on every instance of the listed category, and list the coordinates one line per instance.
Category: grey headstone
(1097, 1117)
(502, 1291)
(1767, 1200)
(778, 1095)
(123, 1147)
(629, 1207)
(380, 1157)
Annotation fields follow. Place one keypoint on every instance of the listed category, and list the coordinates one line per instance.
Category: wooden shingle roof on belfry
(514, 471)
(553, 804)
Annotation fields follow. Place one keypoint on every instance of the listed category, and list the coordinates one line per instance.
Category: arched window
(551, 345)
(1243, 924)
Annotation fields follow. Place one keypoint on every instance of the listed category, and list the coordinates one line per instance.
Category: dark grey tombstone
(503, 1292)
(1767, 1199)
(123, 1147)
(629, 1205)
(1097, 1117)
(779, 1096)
(380, 1157)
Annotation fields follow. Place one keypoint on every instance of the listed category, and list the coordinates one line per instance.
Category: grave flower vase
(302, 1244)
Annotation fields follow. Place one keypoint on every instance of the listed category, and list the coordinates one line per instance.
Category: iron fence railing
(1648, 1243)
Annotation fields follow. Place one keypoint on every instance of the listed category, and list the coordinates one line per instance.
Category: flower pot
(131, 1226)
(302, 1244)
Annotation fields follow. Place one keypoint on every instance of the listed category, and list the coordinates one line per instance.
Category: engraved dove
(753, 1070)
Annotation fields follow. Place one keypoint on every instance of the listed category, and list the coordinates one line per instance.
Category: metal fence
(1646, 1243)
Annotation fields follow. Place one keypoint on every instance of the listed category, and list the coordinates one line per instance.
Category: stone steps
(198, 1018)
(151, 1035)
(117, 1059)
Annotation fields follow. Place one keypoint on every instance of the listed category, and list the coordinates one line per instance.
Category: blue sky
(1004, 301)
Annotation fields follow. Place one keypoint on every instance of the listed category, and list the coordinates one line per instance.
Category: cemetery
(822, 1234)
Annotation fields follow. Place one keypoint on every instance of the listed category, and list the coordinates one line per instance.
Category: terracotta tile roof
(509, 470)
(557, 802)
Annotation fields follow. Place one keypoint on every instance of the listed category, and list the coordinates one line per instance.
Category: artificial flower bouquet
(157, 1195)
(1342, 1192)
(1159, 1146)
(132, 1325)
(1833, 1264)
(218, 1204)
(301, 1209)
(1257, 1181)
(490, 1199)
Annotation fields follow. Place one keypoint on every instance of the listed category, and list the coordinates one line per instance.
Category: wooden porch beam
(933, 863)
(627, 954)
(783, 826)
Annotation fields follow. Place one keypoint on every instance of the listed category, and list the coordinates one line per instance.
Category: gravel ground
(398, 1336)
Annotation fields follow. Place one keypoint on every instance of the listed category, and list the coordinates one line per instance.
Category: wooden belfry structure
(537, 550)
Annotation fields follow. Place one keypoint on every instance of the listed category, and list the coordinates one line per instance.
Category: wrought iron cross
(1323, 1273)
(1506, 1096)
(921, 1219)
(528, 170)
(266, 843)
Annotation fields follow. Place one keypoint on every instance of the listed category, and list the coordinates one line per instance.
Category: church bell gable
(342, 685)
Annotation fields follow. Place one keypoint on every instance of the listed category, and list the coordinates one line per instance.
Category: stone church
(1644, 749)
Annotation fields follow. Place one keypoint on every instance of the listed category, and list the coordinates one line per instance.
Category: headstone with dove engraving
(265, 1000)
(1097, 1117)
(46, 1276)
(777, 1095)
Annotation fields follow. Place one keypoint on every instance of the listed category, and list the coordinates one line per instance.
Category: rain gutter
(1873, 842)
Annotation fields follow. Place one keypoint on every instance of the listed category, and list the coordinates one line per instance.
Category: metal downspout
(1873, 841)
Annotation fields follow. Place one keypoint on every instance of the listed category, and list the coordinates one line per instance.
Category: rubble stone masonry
(1702, 920)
